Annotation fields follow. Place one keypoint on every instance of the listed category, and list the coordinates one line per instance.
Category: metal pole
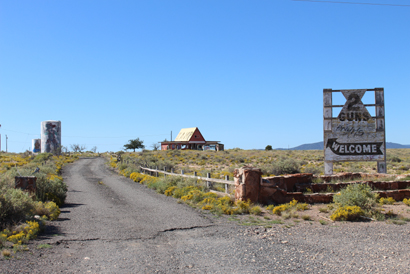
(6, 142)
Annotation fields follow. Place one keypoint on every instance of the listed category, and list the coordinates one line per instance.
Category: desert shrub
(150, 181)
(136, 176)
(387, 201)
(406, 201)
(395, 159)
(302, 207)
(41, 157)
(48, 209)
(255, 210)
(197, 196)
(324, 209)
(23, 233)
(270, 207)
(288, 166)
(313, 169)
(122, 166)
(128, 171)
(3, 239)
(360, 195)
(170, 190)
(179, 192)
(207, 207)
(242, 206)
(347, 213)
(15, 206)
(279, 209)
(51, 189)
(292, 205)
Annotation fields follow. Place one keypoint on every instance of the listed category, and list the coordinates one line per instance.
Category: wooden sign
(354, 134)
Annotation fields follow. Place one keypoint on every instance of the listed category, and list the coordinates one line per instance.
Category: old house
(191, 138)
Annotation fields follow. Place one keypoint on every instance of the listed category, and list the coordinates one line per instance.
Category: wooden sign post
(354, 134)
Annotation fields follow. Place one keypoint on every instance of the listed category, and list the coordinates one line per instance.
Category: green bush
(360, 195)
(288, 166)
(15, 205)
(122, 166)
(313, 169)
(51, 190)
(41, 157)
(48, 209)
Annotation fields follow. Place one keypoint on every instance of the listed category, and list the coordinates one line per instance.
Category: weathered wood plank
(221, 181)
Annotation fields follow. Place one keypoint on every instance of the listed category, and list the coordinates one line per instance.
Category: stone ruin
(249, 184)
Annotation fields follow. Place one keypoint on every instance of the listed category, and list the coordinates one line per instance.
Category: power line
(93, 137)
(353, 3)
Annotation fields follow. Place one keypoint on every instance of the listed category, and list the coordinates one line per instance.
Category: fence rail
(207, 179)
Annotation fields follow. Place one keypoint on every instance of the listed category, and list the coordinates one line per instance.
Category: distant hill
(319, 146)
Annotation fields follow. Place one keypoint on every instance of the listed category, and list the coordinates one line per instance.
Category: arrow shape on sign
(349, 149)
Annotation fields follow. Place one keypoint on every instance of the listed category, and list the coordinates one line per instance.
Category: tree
(134, 144)
(155, 146)
(77, 147)
(94, 149)
(268, 147)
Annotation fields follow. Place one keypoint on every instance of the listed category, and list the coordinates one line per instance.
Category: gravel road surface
(112, 225)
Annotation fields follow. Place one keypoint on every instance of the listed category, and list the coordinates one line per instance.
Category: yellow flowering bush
(169, 191)
(242, 206)
(291, 205)
(347, 213)
(255, 210)
(279, 209)
(207, 207)
(208, 200)
(406, 201)
(187, 197)
(302, 206)
(24, 233)
(137, 177)
(48, 209)
(148, 180)
(53, 210)
(387, 201)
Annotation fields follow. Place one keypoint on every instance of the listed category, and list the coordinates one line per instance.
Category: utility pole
(6, 142)
(171, 135)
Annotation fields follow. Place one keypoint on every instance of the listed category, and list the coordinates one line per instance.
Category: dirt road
(113, 225)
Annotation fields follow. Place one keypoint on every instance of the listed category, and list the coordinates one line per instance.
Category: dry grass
(274, 162)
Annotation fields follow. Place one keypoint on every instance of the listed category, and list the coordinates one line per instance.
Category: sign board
(354, 134)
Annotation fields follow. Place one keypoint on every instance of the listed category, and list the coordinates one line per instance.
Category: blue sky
(246, 73)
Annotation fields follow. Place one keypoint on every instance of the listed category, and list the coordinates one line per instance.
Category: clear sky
(246, 73)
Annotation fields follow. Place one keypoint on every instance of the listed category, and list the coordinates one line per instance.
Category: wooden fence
(207, 179)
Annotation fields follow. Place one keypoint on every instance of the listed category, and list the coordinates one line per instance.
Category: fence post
(226, 185)
(172, 170)
(182, 171)
(208, 183)
(195, 173)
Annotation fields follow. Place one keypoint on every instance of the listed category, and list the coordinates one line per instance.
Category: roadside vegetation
(354, 203)
(23, 214)
(271, 162)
